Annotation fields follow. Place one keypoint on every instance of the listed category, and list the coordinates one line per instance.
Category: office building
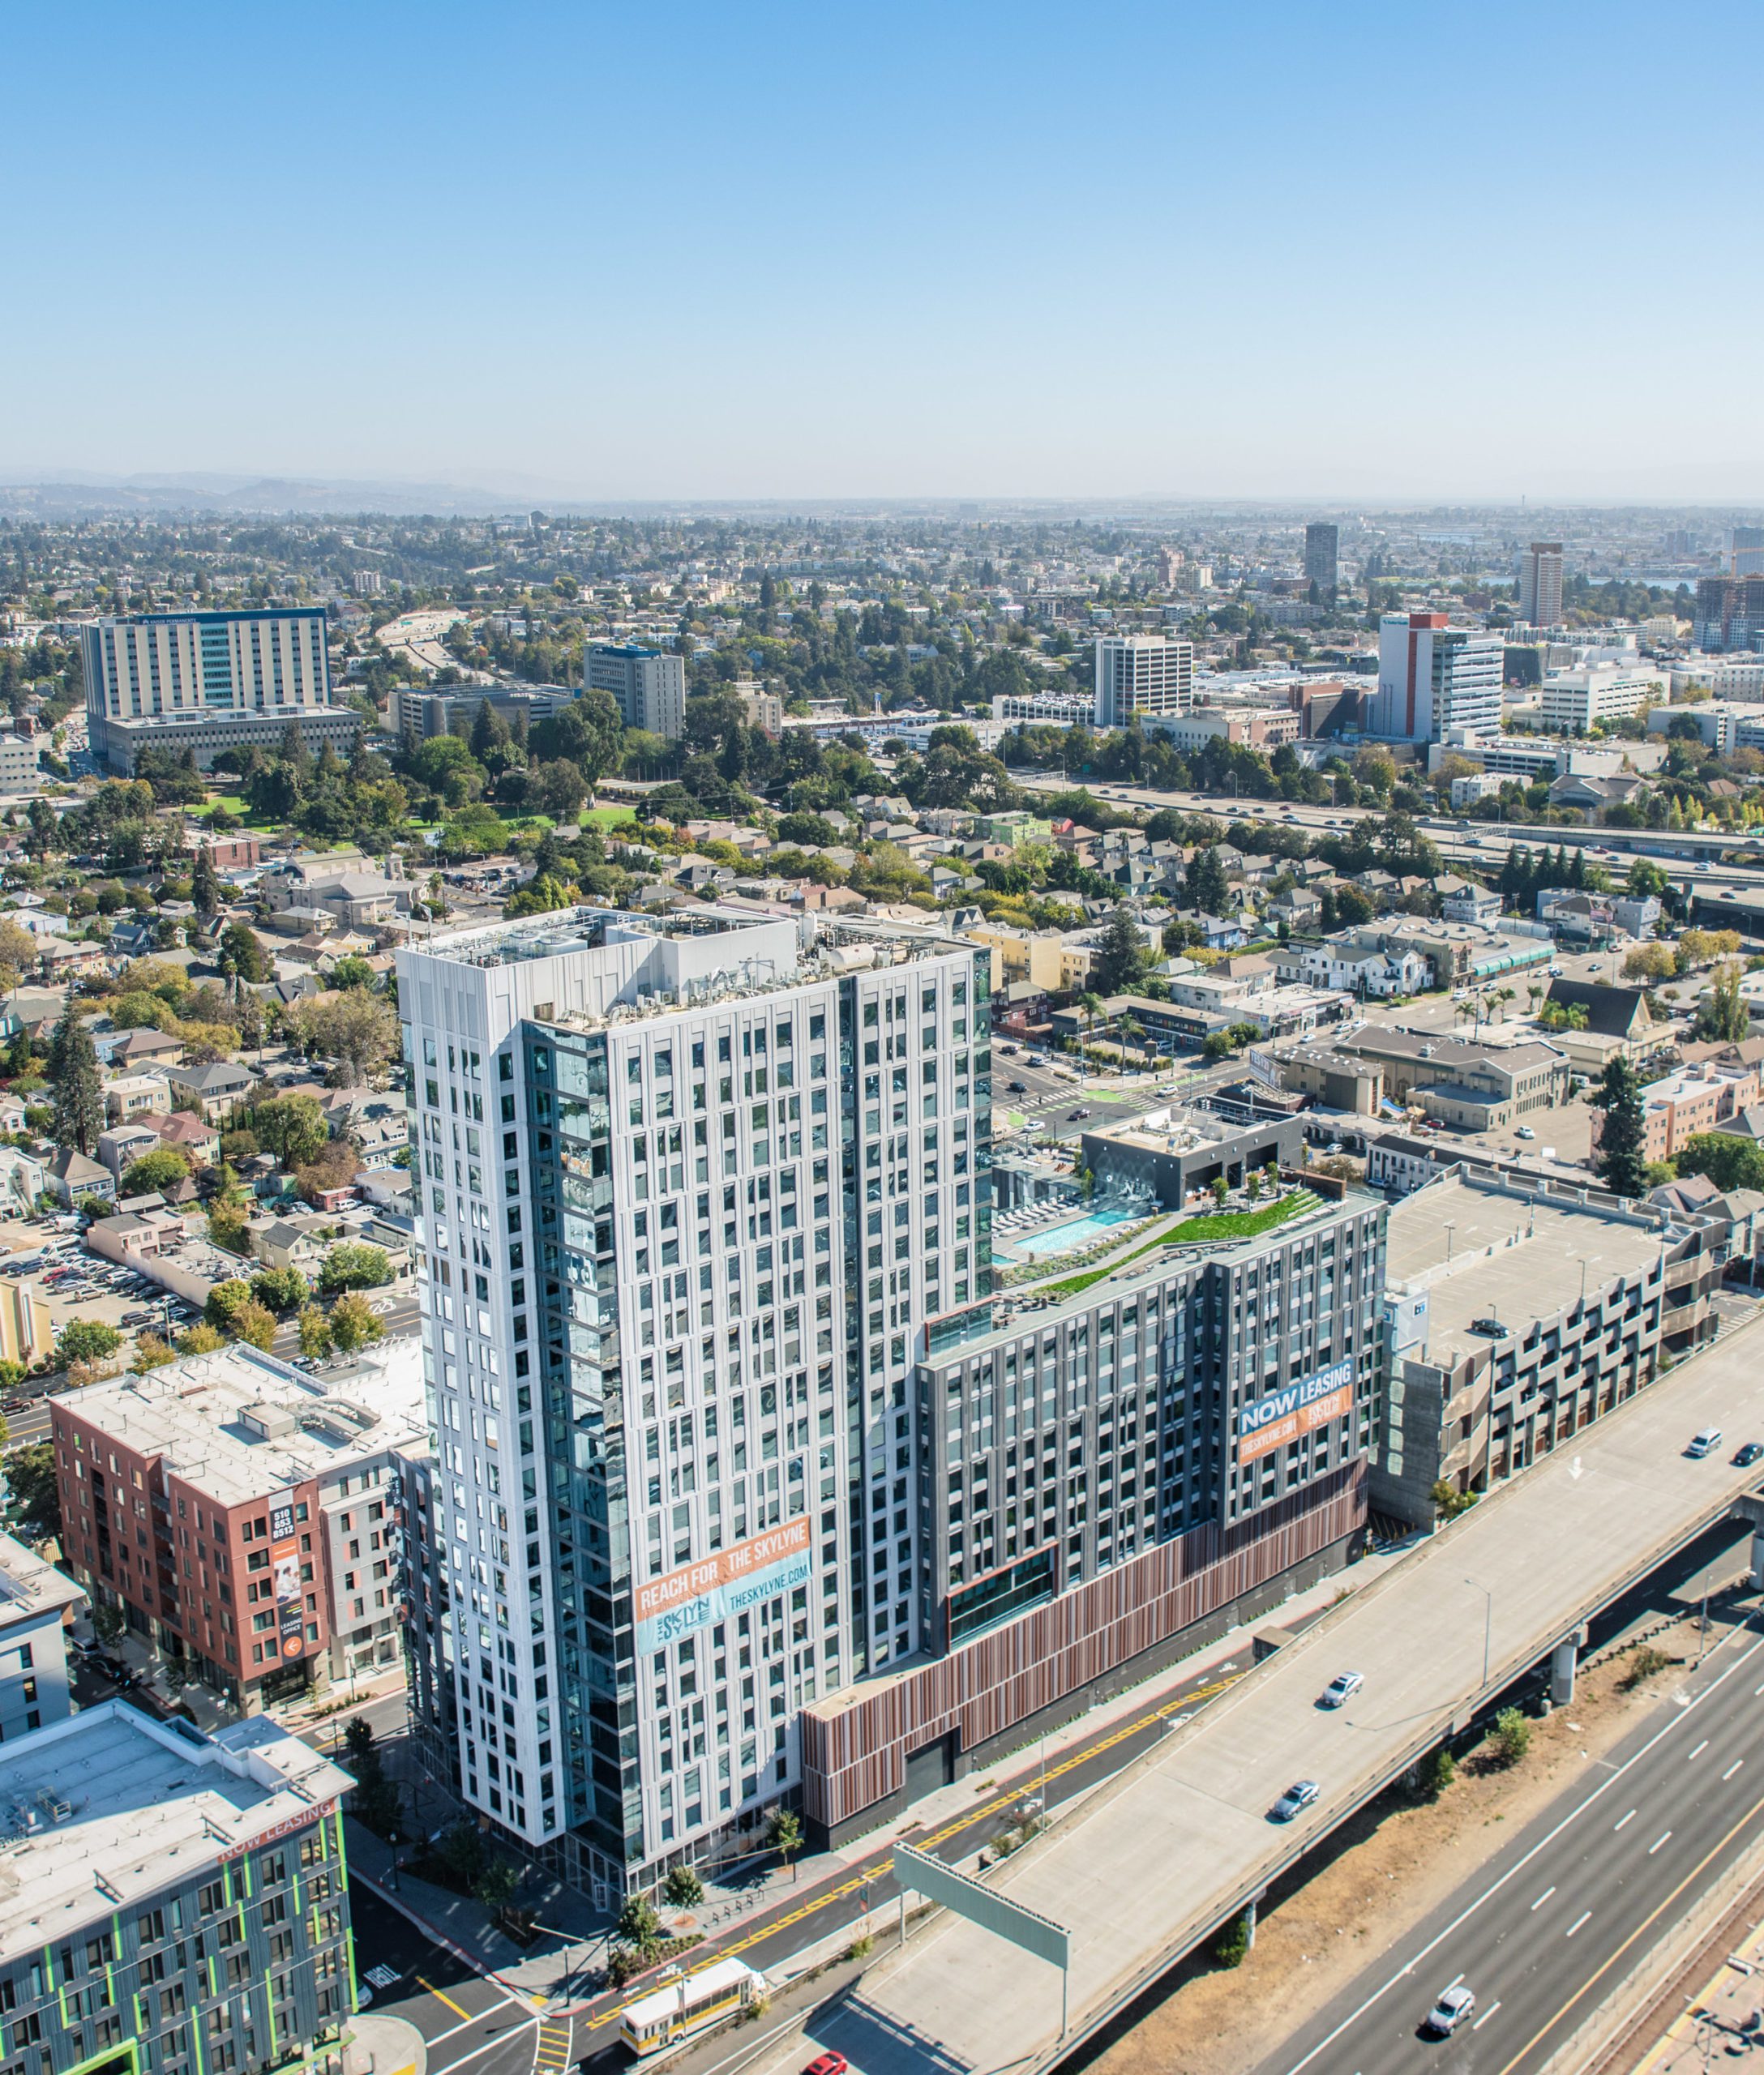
(689, 1188)
(1574, 701)
(172, 1901)
(1433, 678)
(761, 708)
(648, 684)
(37, 1601)
(1322, 551)
(1143, 674)
(1540, 583)
(232, 1507)
(416, 710)
(1746, 551)
(207, 681)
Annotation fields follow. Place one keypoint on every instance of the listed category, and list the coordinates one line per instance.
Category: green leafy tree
(683, 1889)
(151, 1352)
(224, 1301)
(351, 1267)
(638, 1925)
(1621, 1159)
(1511, 1738)
(1729, 1163)
(783, 1834)
(495, 1886)
(280, 1290)
(37, 1499)
(201, 1338)
(205, 884)
(354, 1324)
(352, 973)
(73, 1068)
(292, 1127)
(1208, 888)
(315, 1331)
(243, 954)
(1724, 1016)
(254, 1323)
(86, 1340)
(165, 1169)
(1121, 957)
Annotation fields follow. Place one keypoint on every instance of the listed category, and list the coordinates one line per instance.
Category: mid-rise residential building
(1148, 675)
(1107, 1480)
(172, 1901)
(233, 1507)
(1264, 727)
(649, 684)
(762, 708)
(1697, 1098)
(37, 1601)
(208, 681)
(1433, 678)
(1322, 555)
(1540, 583)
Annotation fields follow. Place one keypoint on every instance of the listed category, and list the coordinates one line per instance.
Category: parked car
(1704, 1443)
(1525, 1131)
(1297, 1798)
(1341, 1688)
(1453, 2007)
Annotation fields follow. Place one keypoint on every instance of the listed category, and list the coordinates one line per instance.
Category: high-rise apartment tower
(648, 684)
(1322, 555)
(1540, 583)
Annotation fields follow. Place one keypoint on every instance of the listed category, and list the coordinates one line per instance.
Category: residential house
(1351, 967)
(1462, 901)
(1619, 1024)
(131, 1095)
(132, 1049)
(212, 1090)
(1593, 797)
(195, 1136)
(120, 1146)
(70, 1177)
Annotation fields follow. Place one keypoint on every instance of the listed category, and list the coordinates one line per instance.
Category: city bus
(689, 2006)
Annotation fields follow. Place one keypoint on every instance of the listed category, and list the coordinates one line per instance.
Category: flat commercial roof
(239, 1425)
(110, 1807)
(1482, 1254)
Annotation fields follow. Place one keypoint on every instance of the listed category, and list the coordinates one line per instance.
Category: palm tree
(1092, 1006)
(1505, 995)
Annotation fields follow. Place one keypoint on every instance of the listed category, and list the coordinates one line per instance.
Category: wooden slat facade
(854, 1755)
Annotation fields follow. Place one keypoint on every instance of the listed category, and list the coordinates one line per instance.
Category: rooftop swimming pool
(1076, 1232)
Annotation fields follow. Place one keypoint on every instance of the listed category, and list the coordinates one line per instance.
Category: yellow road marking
(441, 1996)
(1719, 1844)
(965, 1820)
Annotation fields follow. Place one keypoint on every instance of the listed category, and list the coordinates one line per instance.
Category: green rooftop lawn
(1209, 1224)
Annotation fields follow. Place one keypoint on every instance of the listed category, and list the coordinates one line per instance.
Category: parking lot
(74, 1284)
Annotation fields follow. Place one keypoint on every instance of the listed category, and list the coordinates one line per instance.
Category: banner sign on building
(1264, 1066)
(1301, 1407)
(725, 1584)
(284, 1568)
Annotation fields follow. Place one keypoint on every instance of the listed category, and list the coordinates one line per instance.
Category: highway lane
(1546, 1930)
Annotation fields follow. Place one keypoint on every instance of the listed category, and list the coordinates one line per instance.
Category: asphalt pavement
(1549, 1928)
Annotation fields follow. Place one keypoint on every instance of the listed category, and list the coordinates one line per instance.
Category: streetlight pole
(1487, 1627)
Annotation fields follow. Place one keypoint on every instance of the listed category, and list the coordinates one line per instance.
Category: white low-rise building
(1579, 700)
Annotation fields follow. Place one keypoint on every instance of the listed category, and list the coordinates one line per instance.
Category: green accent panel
(124, 2060)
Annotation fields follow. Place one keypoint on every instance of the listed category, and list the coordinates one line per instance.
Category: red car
(827, 2063)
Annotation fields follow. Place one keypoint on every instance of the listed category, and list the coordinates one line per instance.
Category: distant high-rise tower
(1540, 583)
(1745, 552)
(1143, 673)
(1322, 548)
(1170, 561)
(649, 685)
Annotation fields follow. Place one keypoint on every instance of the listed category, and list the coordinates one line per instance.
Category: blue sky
(1347, 251)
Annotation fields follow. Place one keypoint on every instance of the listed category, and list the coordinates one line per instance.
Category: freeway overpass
(1181, 1841)
(1694, 857)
